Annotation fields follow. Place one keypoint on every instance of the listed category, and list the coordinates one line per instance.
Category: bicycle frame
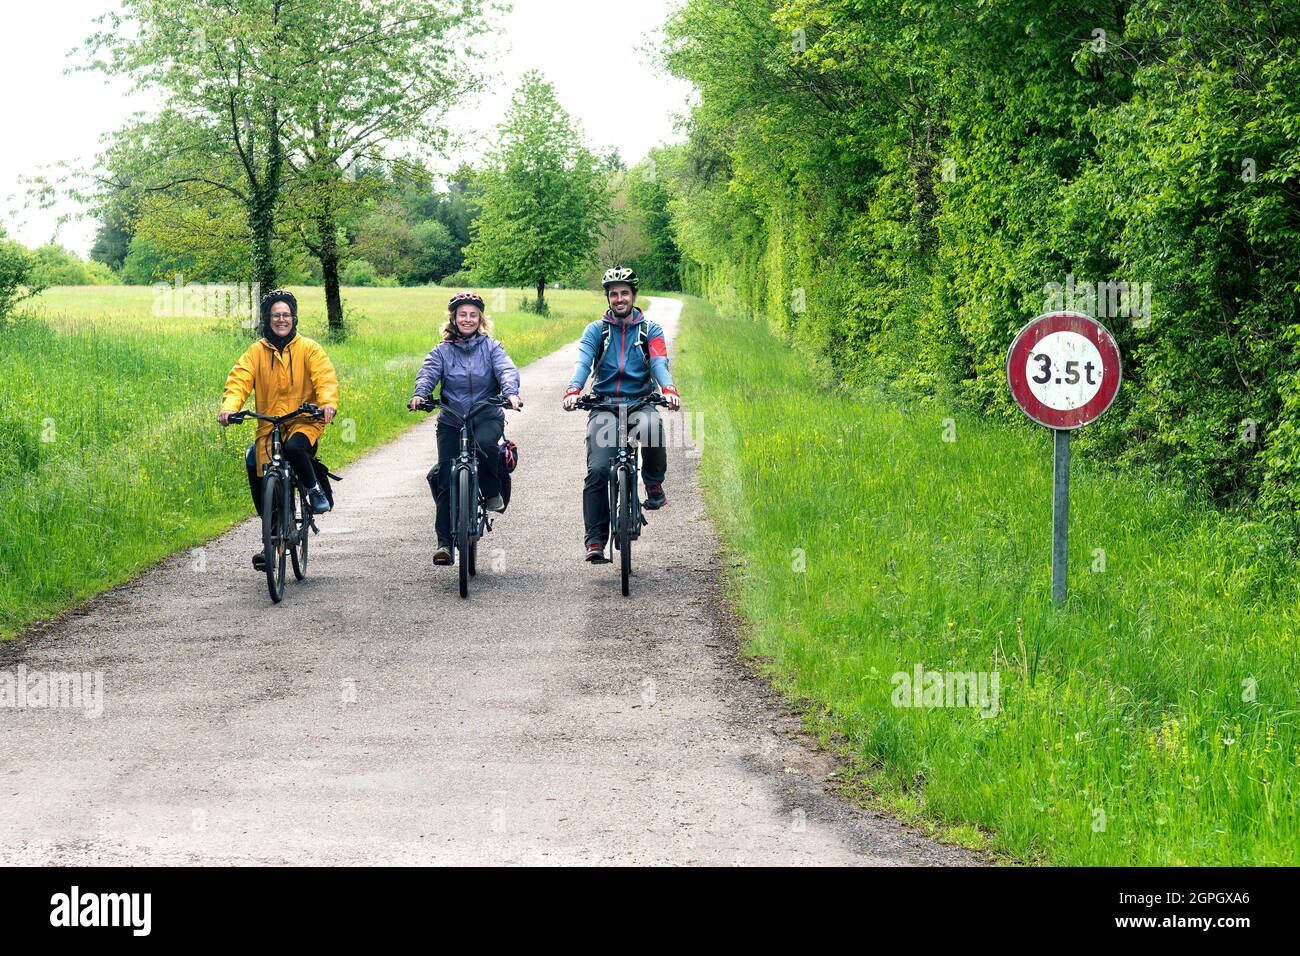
(465, 466)
(466, 460)
(281, 523)
(277, 462)
(626, 458)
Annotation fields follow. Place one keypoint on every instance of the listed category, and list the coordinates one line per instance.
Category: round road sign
(1064, 369)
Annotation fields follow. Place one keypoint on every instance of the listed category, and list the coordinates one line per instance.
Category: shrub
(97, 273)
(17, 276)
(463, 279)
(359, 272)
(58, 266)
(529, 304)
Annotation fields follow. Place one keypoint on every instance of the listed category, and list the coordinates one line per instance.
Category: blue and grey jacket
(635, 359)
(469, 371)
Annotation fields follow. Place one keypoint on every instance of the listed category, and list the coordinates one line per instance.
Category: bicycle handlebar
(598, 403)
(307, 408)
(496, 401)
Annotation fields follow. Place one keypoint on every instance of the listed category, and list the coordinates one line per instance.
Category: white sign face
(1064, 370)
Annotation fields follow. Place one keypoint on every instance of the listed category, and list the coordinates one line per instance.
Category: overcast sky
(592, 50)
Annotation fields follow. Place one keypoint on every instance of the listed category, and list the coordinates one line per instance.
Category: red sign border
(1031, 335)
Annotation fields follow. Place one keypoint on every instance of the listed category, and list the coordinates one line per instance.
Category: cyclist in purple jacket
(471, 366)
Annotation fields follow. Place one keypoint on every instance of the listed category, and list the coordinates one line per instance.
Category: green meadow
(110, 454)
(1152, 720)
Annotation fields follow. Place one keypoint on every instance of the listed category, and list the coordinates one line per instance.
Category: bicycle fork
(624, 466)
(453, 500)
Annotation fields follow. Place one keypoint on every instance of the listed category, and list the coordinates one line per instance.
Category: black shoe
(317, 501)
(495, 503)
(259, 562)
(596, 554)
(442, 555)
(655, 497)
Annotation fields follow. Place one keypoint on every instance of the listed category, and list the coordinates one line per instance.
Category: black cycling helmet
(270, 299)
(619, 274)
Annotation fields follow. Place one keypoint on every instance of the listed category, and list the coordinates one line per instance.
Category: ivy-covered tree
(900, 185)
(270, 104)
(224, 71)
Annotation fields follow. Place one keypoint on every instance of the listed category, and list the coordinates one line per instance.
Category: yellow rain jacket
(282, 381)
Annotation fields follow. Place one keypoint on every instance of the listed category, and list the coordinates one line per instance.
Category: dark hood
(279, 341)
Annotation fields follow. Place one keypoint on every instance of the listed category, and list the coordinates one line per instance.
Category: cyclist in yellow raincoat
(284, 369)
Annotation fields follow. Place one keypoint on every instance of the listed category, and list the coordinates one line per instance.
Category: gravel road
(375, 717)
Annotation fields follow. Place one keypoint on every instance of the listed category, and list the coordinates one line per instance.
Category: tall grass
(1153, 720)
(110, 455)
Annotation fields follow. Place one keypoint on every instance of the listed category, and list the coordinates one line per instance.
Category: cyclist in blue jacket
(627, 356)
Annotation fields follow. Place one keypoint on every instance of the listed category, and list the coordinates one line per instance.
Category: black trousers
(644, 427)
(487, 433)
(298, 450)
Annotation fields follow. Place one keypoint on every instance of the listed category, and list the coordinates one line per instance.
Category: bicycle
(626, 517)
(287, 519)
(469, 515)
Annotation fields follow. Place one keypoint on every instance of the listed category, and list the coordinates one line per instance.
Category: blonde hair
(449, 331)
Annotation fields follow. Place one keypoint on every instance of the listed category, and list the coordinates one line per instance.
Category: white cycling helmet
(619, 274)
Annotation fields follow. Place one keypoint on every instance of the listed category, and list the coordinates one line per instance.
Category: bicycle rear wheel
(624, 526)
(300, 528)
(272, 535)
(463, 514)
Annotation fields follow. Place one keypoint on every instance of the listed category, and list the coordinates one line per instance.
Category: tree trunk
(541, 291)
(261, 222)
(327, 251)
(264, 195)
(329, 264)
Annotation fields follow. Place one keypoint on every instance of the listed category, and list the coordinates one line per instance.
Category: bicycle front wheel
(300, 529)
(273, 545)
(464, 513)
(624, 529)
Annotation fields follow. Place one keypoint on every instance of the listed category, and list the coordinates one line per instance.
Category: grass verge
(1153, 720)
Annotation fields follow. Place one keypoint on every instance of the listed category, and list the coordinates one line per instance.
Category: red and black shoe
(596, 554)
(655, 497)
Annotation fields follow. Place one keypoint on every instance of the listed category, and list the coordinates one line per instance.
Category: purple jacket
(469, 371)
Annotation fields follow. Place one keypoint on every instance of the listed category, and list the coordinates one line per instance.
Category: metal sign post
(1064, 371)
(1060, 514)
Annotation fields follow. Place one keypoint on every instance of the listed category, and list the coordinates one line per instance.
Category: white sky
(593, 51)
